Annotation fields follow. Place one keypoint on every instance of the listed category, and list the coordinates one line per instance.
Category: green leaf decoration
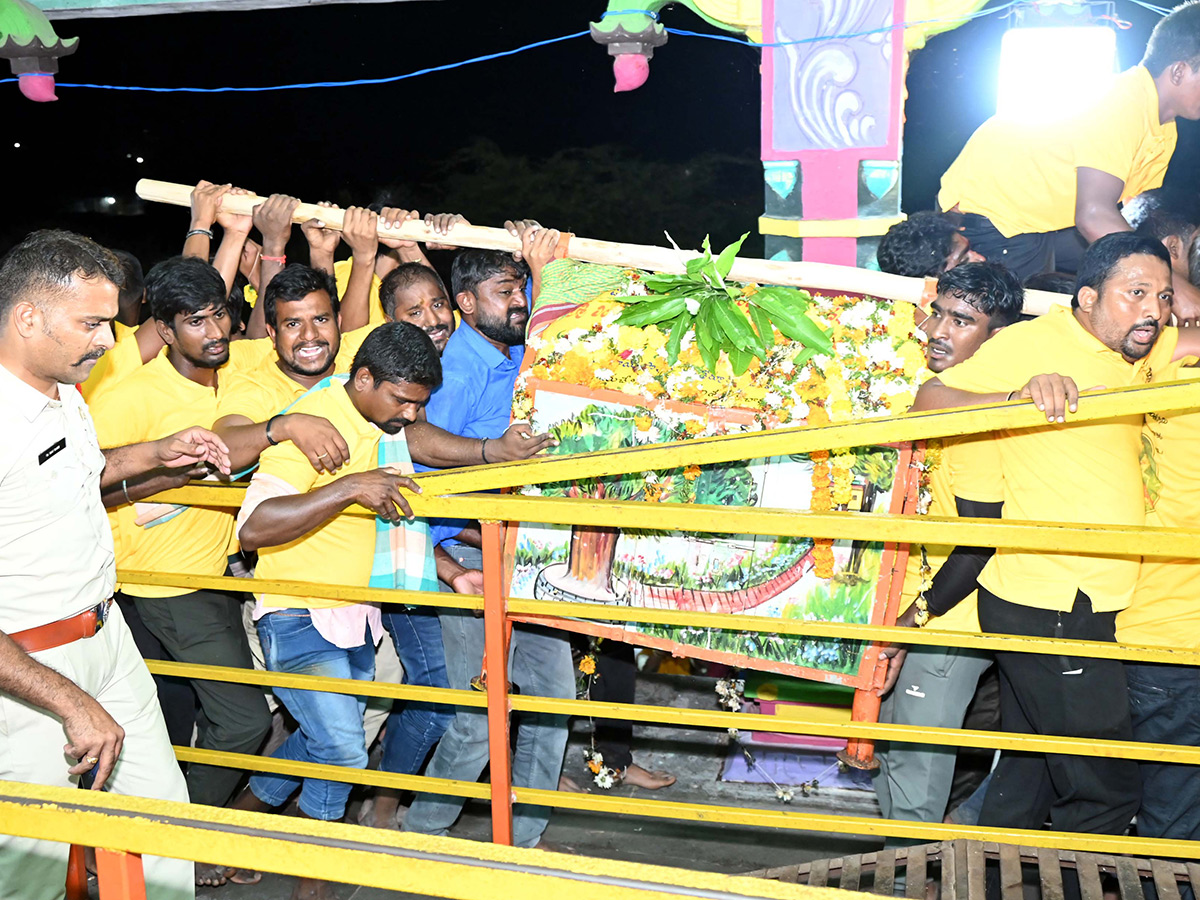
(766, 331)
(678, 330)
(720, 325)
(725, 260)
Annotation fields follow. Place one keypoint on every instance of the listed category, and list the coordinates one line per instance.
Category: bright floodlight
(1047, 73)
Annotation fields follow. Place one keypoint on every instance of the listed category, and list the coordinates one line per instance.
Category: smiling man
(190, 310)
(1113, 336)
(974, 302)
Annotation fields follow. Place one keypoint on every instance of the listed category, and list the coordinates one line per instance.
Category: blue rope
(630, 12)
(320, 84)
(567, 37)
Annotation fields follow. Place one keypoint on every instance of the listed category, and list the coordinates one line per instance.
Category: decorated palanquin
(596, 384)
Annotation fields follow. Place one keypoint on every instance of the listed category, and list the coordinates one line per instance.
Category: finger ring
(92, 760)
(322, 455)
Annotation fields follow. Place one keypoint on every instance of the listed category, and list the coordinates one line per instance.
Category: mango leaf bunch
(703, 301)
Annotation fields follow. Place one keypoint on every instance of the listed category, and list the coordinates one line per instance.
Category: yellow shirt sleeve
(995, 366)
(121, 361)
(121, 417)
(245, 355)
(341, 274)
(351, 342)
(1110, 139)
(243, 395)
(285, 462)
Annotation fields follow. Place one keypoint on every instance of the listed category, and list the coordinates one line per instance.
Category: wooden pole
(822, 277)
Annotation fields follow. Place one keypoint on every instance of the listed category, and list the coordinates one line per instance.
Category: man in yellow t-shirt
(291, 516)
(1113, 336)
(936, 684)
(189, 304)
(1032, 198)
(1164, 700)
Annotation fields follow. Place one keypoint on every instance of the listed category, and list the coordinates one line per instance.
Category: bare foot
(311, 889)
(210, 875)
(644, 778)
(382, 811)
(566, 783)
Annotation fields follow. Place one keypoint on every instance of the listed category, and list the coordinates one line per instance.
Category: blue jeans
(540, 664)
(331, 728)
(413, 729)
(1164, 703)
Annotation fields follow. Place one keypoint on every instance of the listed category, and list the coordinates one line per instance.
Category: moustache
(1147, 323)
(395, 426)
(221, 344)
(95, 354)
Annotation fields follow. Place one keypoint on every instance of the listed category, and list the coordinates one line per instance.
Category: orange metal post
(120, 875)
(77, 876)
(496, 631)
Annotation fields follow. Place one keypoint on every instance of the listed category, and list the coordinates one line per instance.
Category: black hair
(1161, 214)
(1103, 256)
(1176, 38)
(471, 267)
(402, 278)
(184, 285)
(133, 281)
(1055, 282)
(294, 283)
(919, 245)
(989, 287)
(399, 351)
(46, 262)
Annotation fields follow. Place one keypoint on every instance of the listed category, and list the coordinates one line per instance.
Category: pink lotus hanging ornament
(29, 43)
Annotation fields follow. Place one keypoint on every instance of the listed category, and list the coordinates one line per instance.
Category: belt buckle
(102, 612)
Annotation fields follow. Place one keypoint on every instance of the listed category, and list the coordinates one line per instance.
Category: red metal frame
(497, 630)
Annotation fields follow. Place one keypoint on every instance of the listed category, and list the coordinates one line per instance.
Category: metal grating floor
(959, 869)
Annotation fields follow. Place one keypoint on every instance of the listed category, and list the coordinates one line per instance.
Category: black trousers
(1070, 696)
(175, 695)
(205, 627)
(618, 674)
(1025, 254)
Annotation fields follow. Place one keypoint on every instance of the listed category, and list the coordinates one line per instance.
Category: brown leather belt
(64, 631)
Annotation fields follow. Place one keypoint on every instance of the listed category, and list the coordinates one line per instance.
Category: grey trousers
(935, 688)
(540, 665)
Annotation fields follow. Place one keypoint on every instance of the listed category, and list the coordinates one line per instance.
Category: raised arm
(359, 230)
(280, 520)
(1097, 203)
(235, 229)
(273, 219)
(206, 198)
(322, 241)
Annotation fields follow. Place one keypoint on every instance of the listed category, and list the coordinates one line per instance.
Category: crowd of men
(329, 385)
(1077, 207)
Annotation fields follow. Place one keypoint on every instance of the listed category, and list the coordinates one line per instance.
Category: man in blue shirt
(479, 367)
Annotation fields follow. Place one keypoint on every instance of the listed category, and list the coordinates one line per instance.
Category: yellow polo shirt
(122, 360)
(344, 545)
(150, 404)
(1087, 473)
(969, 468)
(1166, 602)
(351, 342)
(341, 274)
(1023, 179)
(258, 393)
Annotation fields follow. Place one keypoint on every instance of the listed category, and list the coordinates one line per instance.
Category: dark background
(538, 134)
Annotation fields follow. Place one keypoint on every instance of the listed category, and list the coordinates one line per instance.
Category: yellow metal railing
(493, 509)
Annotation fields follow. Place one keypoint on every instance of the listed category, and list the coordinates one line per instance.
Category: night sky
(545, 135)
